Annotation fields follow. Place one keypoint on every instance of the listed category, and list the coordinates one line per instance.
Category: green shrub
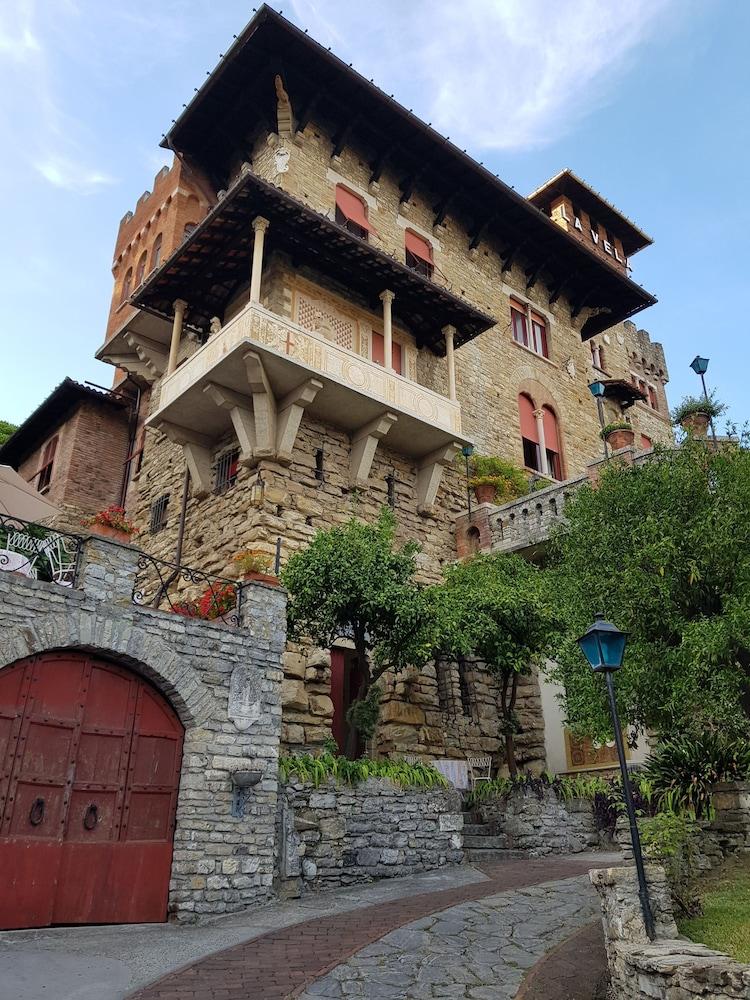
(509, 481)
(669, 840)
(616, 425)
(364, 713)
(316, 770)
(682, 770)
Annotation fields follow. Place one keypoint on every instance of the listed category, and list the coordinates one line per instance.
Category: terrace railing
(38, 551)
(186, 591)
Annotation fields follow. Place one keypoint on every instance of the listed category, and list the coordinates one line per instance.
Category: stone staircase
(482, 846)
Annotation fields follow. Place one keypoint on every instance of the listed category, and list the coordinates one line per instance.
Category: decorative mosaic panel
(321, 317)
(584, 753)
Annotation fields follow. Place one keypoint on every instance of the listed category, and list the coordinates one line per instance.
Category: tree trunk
(510, 753)
(352, 737)
(507, 707)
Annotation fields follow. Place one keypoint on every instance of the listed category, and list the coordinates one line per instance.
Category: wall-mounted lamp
(242, 782)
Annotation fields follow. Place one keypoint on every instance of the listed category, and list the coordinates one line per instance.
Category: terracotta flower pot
(485, 493)
(696, 424)
(107, 531)
(257, 577)
(620, 439)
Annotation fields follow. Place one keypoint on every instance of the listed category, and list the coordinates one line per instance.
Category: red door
(90, 756)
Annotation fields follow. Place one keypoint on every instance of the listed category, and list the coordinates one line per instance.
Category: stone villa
(316, 307)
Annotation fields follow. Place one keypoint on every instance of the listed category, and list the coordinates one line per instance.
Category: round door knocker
(91, 817)
(36, 814)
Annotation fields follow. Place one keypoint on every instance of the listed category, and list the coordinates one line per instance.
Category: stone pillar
(174, 347)
(387, 298)
(621, 906)
(539, 417)
(263, 611)
(449, 333)
(107, 569)
(260, 225)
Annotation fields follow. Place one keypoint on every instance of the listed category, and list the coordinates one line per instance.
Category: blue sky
(645, 100)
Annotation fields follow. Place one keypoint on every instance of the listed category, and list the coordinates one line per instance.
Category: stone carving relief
(245, 699)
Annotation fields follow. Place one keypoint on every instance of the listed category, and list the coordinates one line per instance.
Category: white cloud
(71, 175)
(501, 74)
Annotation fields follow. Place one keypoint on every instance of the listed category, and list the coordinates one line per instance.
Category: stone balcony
(260, 372)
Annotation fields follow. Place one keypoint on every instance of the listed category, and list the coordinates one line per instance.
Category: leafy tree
(6, 429)
(353, 582)
(663, 550)
(494, 607)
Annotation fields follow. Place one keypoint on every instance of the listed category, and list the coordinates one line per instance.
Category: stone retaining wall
(667, 968)
(340, 834)
(541, 825)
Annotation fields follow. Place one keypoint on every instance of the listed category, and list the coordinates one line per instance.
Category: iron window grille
(227, 467)
(158, 519)
(390, 482)
(319, 471)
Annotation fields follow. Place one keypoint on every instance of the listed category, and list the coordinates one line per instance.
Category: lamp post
(700, 367)
(603, 645)
(597, 391)
(467, 451)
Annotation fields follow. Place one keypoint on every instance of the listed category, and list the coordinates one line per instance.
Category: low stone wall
(541, 824)
(340, 834)
(667, 968)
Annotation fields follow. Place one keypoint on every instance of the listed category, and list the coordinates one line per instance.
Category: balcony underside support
(430, 473)
(197, 451)
(133, 365)
(264, 427)
(149, 352)
(364, 446)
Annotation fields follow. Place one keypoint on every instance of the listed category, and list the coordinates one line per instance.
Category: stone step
(477, 829)
(484, 842)
(484, 855)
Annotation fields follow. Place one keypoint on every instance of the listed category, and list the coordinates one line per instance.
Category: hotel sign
(595, 236)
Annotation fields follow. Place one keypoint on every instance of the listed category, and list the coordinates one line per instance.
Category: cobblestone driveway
(478, 950)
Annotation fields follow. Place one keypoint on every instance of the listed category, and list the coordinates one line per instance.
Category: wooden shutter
(528, 421)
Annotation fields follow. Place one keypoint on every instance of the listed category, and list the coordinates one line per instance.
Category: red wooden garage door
(90, 757)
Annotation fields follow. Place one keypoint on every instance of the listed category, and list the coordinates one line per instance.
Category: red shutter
(551, 436)
(378, 353)
(396, 358)
(353, 208)
(418, 246)
(528, 420)
(646, 444)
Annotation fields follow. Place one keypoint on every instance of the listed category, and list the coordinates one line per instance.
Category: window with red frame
(156, 253)
(418, 253)
(646, 443)
(518, 320)
(653, 398)
(552, 442)
(529, 329)
(351, 212)
(539, 335)
(48, 460)
(227, 467)
(378, 353)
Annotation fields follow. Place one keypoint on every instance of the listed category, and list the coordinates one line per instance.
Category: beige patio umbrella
(19, 498)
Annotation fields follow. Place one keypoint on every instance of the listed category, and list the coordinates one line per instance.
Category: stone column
(539, 417)
(260, 225)
(387, 298)
(449, 333)
(174, 347)
(107, 569)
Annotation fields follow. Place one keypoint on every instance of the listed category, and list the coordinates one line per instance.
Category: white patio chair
(19, 541)
(480, 769)
(62, 561)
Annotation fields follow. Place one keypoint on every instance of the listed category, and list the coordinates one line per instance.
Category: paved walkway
(268, 953)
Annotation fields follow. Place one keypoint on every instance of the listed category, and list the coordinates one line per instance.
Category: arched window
(532, 457)
(351, 212)
(140, 273)
(646, 443)
(127, 285)
(418, 253)
(552, 443)
(156, 253)
(189, 227)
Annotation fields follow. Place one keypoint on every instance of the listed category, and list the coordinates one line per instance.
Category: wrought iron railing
(186, 591)
(38, 551)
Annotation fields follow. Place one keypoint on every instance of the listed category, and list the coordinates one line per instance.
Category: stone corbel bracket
(197, 450)
(364, 446)
(430, 474)
(152, 354)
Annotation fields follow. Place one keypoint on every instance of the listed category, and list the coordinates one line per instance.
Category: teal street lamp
(597, 390)
(700, 367)
(603, 645)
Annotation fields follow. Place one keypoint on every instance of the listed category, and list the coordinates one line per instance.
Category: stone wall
(542, 824)
(667, 968)
(342, 834)
(225, 685)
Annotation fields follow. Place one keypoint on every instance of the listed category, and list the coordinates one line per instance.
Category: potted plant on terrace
(618, 434)
(694, 414)
(495, 480)
(254, 564)
(111, 523)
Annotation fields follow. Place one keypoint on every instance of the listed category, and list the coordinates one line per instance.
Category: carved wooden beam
(560, 286)
(306, 112)
(364, 445)
(511, 255)
(532, 273)
(441, 209)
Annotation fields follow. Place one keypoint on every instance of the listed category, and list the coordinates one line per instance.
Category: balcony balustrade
(260, 372)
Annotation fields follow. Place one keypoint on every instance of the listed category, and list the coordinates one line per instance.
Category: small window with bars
(227, 467)
(158, 517)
